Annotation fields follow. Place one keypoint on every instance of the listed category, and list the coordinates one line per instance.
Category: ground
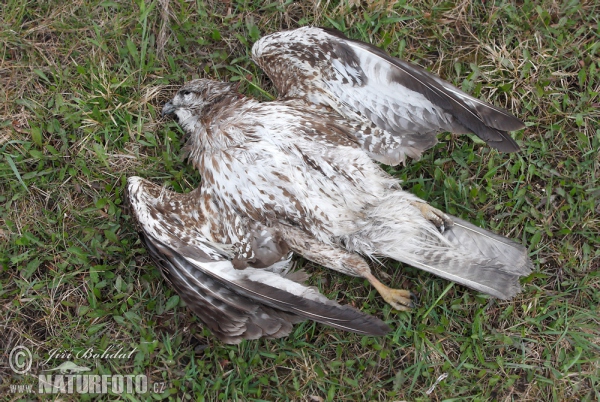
(81, 87)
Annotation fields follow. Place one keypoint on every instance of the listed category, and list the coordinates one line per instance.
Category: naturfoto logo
(92, 384)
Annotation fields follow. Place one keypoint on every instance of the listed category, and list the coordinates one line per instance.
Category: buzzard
(300, 174)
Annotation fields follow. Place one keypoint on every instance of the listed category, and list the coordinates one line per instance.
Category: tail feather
(512, 254)
(464, 253)
(483, 275)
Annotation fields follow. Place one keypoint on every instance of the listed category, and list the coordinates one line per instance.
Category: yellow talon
(400, 299)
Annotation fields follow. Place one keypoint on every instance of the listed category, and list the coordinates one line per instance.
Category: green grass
(81, 87)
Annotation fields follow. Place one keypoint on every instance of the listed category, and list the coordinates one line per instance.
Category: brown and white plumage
(234, 304)
(301, 168)
(396, 107)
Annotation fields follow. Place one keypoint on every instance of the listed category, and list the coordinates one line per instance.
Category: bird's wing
(404, 101)
(235, 304)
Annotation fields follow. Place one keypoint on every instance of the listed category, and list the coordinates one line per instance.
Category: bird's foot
(434, 215)
(400, 299)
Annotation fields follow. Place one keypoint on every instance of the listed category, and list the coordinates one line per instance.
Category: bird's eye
(185, 93)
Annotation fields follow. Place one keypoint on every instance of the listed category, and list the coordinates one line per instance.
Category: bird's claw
(400, 299)
(435, 216)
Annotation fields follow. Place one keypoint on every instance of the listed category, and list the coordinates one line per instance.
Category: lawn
(81, 87)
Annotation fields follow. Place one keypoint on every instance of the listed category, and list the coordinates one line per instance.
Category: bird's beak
(168, 109)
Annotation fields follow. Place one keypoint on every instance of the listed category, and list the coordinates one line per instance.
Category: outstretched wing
(406, 105)
(235, 304)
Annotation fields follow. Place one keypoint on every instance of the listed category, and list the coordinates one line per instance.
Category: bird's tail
(463, 253)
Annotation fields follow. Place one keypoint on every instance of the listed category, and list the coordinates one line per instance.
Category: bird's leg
(434, 215)
(343, 261)
(399, 299)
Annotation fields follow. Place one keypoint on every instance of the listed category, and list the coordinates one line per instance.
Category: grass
(82, 83)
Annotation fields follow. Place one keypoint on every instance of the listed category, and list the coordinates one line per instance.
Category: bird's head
(196, 97)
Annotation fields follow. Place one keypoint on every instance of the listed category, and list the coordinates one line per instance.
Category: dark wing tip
(379, 328)
(498, 118)
(504, 144)
(326, 312)
(494, 128)
(497, 139)
(511, 123)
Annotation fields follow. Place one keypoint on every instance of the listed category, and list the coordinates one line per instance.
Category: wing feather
(234, 304)
(322, 66)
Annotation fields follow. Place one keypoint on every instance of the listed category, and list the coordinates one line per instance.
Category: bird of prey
(299, 174)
